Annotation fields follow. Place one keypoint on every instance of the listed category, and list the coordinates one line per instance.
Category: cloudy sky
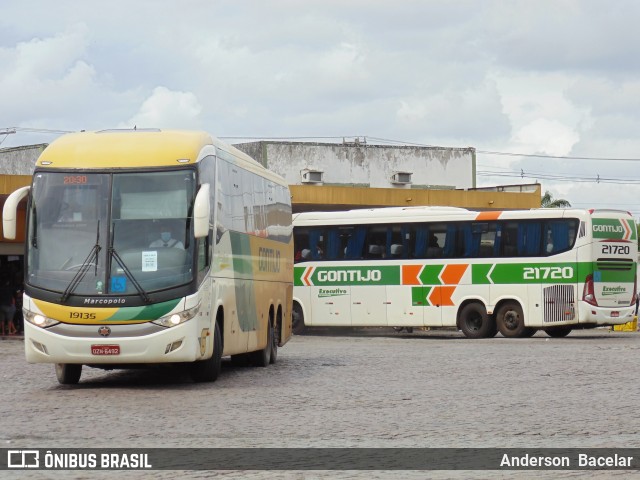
(546, 91)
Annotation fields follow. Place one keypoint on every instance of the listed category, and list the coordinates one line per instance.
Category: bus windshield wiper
(91, 260)
(143, 294)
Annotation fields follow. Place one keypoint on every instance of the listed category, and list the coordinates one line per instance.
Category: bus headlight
(38, 319)
(177, 318)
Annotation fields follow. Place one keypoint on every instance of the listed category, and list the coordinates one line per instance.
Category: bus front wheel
(510, 321)
(208, 370)
(298, 319)
(68, 373)
(474, 321)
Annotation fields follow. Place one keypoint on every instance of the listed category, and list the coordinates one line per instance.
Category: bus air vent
(559, 301)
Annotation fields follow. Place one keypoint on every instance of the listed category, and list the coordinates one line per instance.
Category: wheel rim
(511, 320)
(474, 322)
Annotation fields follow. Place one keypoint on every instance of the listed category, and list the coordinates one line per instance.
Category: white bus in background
(146, 247)
(515, 272)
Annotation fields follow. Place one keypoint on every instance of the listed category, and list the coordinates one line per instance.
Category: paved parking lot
(373, 388)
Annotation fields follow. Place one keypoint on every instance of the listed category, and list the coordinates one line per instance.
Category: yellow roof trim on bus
(124, 149)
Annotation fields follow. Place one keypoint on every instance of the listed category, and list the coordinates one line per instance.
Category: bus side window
(397, 251)
(433, 250)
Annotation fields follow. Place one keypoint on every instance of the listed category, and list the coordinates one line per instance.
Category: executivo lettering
(333, 292)
(613, 290)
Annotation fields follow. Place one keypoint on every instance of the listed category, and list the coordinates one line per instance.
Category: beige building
(330, 176)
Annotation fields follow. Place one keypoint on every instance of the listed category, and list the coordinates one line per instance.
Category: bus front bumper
(182, 343)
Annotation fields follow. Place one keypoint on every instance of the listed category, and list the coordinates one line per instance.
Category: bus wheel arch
(297, 318)
(474, 321)
(220, 323)
(510, 320)
(208, 370)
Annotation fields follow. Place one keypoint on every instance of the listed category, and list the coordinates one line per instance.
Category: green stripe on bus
(481, 274)
(150, 312)
(244, 285)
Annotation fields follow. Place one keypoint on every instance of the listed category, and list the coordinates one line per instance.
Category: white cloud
(167, 109)
(545, 76)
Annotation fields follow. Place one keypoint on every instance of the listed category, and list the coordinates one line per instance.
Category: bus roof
(428, 213)
(130, 148)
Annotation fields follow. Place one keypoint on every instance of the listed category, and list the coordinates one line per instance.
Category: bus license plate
(615, 314)
(105, 349)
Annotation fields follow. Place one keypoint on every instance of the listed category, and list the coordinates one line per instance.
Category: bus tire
(275, 338)
(558, 332)
(208, 370)
(261, 358)
(68, 373)
(298, 319)
(474, 321)
(510, 320)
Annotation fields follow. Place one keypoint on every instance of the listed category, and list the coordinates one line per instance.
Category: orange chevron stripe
(441, 296)
(410, 274)
(493, 215)
(452, 274)
(306, 276)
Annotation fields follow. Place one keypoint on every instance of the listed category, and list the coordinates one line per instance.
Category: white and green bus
(153, 247)
(480, 272)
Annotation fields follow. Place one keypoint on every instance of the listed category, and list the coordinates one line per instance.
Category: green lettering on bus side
(356, 275)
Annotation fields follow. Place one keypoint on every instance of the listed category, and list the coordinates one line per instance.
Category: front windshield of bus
(94, 233)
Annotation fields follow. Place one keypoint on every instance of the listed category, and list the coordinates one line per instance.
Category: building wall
(362, 165)
(20, 160)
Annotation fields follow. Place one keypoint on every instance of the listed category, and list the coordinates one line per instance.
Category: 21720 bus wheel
(510, 321)
(558, 332)
(298, 319)
(474, 321)
(68, 373)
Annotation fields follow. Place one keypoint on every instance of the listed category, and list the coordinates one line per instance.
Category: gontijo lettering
(350, 276)
(268, 260)
(608, 228)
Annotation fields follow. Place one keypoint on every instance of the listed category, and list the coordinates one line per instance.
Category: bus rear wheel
(510, 321)
(208, 370)
(261, 358)
(275, 338)
(558, 332)
(68, 373)
(474, 321)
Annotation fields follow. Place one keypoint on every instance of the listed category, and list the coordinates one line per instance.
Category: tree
(548, 201)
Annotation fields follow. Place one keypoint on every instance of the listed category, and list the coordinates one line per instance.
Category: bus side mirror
(201, 210)
(10, 212)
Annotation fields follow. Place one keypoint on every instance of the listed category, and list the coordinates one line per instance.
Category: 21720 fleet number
(550, 273)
